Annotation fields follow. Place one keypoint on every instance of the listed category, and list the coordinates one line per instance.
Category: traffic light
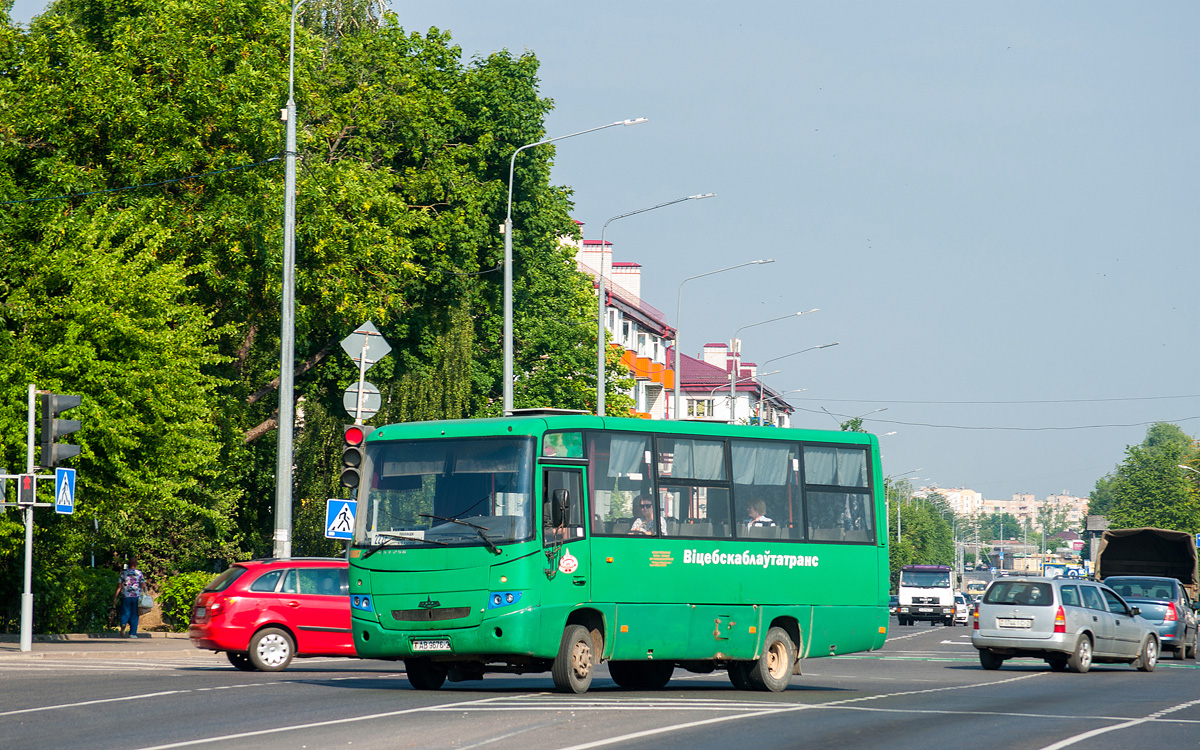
(52, 429)
(353, 436)
(26, 490)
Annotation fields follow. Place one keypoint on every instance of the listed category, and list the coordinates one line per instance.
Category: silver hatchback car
(1067, 622)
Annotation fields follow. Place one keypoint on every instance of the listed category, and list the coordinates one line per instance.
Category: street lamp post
(508, 230)
(287, 334)
(601, 306)
(679, 306)
(733, 344)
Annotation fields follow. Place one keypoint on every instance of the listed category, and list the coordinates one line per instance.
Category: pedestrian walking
(130, 587)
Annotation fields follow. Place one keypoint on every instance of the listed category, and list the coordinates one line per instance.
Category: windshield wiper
(395, 536)
(481, 530)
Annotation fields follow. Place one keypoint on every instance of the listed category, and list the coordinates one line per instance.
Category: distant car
(262, 613)
(893, 604)
(1166, 604)
(1067, 622)
(962, 609)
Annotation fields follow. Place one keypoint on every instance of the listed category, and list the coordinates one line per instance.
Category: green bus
(557, 541)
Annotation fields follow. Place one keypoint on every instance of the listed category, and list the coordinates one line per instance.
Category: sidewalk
(99, 646)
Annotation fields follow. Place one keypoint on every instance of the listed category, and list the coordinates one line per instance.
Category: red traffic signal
(353, 436)
(26, 487)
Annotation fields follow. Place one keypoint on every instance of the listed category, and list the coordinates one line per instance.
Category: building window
(701, 408)
(641, 344)
(625, 333)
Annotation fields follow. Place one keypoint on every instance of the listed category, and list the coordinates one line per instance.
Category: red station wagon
(262, 613)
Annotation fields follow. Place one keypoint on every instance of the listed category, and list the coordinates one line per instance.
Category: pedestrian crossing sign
(64, 491)
(339, 518)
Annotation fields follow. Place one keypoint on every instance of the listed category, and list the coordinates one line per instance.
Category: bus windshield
(925, 579)
(468, 492)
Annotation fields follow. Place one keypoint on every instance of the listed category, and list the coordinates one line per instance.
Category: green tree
(1149, 489)
(161, 304)
(926, 536)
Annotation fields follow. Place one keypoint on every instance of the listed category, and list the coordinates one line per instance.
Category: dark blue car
(1166, 604)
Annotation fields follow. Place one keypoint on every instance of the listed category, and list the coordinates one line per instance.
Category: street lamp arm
(513, 161)
(508, 256)
(809, 349)
(602, 303)
(679, 307)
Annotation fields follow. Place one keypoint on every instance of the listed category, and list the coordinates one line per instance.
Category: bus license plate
(432, 644)
(1008, 622)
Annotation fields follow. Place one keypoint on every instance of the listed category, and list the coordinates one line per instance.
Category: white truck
(926, 593)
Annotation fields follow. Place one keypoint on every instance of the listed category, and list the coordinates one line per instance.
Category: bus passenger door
(564, 537)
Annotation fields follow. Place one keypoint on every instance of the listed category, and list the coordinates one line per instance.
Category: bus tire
(773, 669)
(423, 674)
(573, 667)
(739, 675)
(641, 675)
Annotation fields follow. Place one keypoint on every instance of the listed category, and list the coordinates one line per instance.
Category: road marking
(313, 725)
(1103, 730)
(782, 709)
(143, 696)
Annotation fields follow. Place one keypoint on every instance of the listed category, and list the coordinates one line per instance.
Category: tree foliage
(161, 304)
(926, 537)
(1148, 488)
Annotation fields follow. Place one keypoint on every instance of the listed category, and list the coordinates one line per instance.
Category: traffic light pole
(27, 594)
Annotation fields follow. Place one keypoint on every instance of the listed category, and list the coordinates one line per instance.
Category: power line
(1011, 429)
(982, 403)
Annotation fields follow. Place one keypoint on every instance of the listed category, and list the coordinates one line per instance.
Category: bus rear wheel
(572, 669)
(423, 674)
(641, 675)
(773, 669)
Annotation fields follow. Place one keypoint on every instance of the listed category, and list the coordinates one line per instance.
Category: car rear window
(1027, 593)
(223, 581)
(267, 581)
(1145, 588)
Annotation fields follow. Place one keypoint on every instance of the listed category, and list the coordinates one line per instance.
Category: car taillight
(975, 614)
(1060, 621)
(1171, 616)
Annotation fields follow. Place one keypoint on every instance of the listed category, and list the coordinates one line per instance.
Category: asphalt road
(924, 689)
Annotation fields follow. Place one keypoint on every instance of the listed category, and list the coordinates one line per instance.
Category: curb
(103, 654)
(105, 637)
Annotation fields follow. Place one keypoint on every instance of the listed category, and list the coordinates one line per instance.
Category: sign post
(366, 346)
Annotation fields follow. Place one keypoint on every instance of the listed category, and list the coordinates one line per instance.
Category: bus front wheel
(773, 669)
(423, 674)
(572, 668)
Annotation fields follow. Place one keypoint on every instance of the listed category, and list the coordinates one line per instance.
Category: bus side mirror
(560, 507)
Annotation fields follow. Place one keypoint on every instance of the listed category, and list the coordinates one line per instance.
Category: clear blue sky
(995, 206)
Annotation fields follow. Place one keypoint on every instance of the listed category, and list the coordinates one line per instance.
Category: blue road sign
(64, 490)
(339, 518)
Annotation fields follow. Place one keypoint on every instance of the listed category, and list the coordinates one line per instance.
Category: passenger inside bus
(756, 514)
(644, 523)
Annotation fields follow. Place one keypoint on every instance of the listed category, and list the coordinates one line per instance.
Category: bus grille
(430, 615)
